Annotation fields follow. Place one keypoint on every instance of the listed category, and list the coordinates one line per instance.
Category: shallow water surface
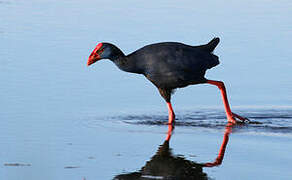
(62, 120)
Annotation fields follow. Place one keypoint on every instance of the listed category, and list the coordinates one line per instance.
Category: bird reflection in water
(165, 165)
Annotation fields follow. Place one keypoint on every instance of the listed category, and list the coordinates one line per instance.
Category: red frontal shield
(94, 56)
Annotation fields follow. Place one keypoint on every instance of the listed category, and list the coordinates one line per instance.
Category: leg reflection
(219, 159)
(165, 165)
(169, 132)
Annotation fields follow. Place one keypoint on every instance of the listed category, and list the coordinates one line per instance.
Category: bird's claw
(241, 119)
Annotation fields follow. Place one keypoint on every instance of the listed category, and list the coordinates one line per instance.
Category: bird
(168, 65)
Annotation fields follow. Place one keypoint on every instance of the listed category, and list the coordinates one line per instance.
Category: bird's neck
(116, 53)
(125, 63)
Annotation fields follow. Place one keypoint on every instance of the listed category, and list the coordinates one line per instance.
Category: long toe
(242, 119)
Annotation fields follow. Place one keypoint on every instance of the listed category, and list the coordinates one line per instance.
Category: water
(63, 120)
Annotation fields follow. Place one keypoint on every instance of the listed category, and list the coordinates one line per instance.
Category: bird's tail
(212, 44)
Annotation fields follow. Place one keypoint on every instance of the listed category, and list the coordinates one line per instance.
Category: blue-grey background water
(64, 120)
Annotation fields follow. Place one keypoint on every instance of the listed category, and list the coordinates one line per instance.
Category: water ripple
(275, 121)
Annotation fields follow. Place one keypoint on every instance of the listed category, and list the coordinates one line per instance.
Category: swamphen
(168, 65)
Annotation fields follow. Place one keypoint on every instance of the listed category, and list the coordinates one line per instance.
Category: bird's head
(104, 51)
(100, 52)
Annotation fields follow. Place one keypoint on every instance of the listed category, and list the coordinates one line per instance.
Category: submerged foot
(237, 119)
(170, 123)
(171, 118)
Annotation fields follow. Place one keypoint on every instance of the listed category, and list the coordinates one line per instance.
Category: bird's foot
(169, 123)
(231, 120)
(237, 119)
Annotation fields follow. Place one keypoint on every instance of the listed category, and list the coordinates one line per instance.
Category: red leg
(171, 115)
(229, 114)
